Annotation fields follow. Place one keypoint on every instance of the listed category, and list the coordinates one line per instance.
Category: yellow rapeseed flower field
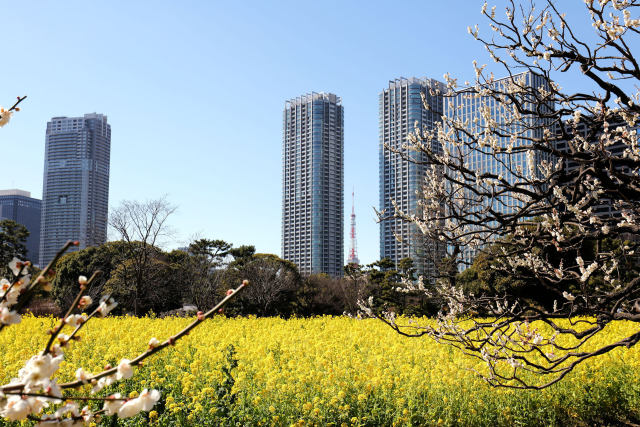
(325, 371)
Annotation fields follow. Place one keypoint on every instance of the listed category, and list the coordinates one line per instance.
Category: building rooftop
(303, 99)
(15, 192)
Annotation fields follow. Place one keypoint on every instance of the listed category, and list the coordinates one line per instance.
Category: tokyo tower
(353, 245)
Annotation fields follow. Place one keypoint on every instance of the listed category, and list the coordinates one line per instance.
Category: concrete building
(19, 206)
(76, 183)
(400, 110)
(312, 183)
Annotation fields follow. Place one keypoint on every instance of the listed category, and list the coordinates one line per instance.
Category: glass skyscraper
(470, 107)
(76, 183)
(19, 206)
(400, 110)
(312, 183)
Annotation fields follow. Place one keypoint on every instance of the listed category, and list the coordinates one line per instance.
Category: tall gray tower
(312, 183)
(400, 110)
(75, 192)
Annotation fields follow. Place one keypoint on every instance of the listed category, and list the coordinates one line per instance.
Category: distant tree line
(145, 278)
(200, 274)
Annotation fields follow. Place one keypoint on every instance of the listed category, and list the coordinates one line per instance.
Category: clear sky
(194, 93)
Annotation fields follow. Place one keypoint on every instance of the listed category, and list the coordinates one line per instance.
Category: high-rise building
(312, 183)
(471, 107)
(400, 110)
(76, 183)
(19, 206)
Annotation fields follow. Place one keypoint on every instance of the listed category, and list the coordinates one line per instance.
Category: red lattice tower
(353, 245)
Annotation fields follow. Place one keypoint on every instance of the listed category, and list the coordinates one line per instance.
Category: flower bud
(153, 343)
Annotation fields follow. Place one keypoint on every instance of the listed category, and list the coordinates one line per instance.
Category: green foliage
(211, 251)
(161, 289)
(320, 294)
(486, 276)
(104, 258)
(383, 280)
(242, 254)
(13, 237)
(226, 396)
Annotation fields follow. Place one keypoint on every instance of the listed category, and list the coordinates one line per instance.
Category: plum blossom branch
(26, 396)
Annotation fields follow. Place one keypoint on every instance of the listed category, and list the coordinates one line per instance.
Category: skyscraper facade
(19, 206)
(400, 110)
(312, 183)
(76, 183)
(470, 107)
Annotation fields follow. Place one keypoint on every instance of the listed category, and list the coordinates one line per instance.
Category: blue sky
(194, 92)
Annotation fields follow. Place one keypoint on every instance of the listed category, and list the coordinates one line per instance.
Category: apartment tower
(76, 183)
(401, 109)
(312, 183)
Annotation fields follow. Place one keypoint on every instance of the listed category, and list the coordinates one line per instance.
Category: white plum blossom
(124, 371)
(75, 320)
(85, 301)
(63, 339)
(16, 408)
(8, 317)
(11, 296)
(144, 402)
(148, 399)
(102, 383)
(16, 266)
(39, 368)
(106, 305)
(113, 404)
(82, 375)
(36, 379)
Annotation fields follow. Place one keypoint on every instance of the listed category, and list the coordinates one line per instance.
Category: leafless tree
(353, 287)
(142, 225)
(557, 190)
(274, 282)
